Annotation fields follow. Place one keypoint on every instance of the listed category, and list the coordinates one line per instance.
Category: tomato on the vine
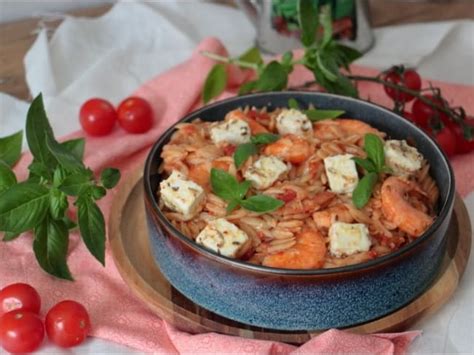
(67, 323)
(463, 145)
(408, 78)
(424, 114)
(21, 331)
(135, 115)
(446, 138)
(97, 117)
(19, 296)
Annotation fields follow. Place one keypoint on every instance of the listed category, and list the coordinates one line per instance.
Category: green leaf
(373, 146)
(215, 83)
(274, 78)
(363, 190)
(326, 22)
(252, 55)
(92, 227)
(109, 177)
(69, 223)
(243, 152)
(232, 205)
(97, 192)
(286, 58)
(57, 203)
(51, 246)
(292, 103)
(308, 20)
(74, 184)
(7, 177)
(65, 158)
(9, 236)
(243, 189)
(261, 203)
(37, 130)
(23, 206)
(59, 175)
(346, 54)
(247, 87)
(10, 148)
(319, 115)
(39, 170)
(224, 185)
(366, 164)
(75, 147)
(326, 70)
(264, 138)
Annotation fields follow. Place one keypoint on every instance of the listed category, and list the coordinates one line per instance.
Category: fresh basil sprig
(245, 150)
(315, 114)
(374, 165)
(10, 148)
(229, 189)
(40, 203)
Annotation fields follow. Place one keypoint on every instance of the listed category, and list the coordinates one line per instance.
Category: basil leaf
(67, 159)
(363, 190)
(215, 83)
(345, 54)
(7, 177)
(373, 146)
(224, 185)
(10, 148)
(9, 236)
(326, 70)
(292, 103)
(37, 130)
(243, 152)
(319, 115)
(261, 203)
(109, 177)
(74, 184)
(264, 138)
(23, 206)
(69, 223)
(232, 205)
(50, 247)
(75, 147)
(57, 203)
(308, 20)
(92, 227)
(326, 22)
(243, 189)
(247, 87)
(252, 55)
(39, 170)
(286, 58)
(59, 175)
(273, 78)
(366, 164)
(97, 192)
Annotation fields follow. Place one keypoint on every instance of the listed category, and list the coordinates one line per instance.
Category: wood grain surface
(128, 239)
(17, 37)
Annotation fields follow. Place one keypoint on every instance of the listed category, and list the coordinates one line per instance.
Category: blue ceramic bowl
(299, 300)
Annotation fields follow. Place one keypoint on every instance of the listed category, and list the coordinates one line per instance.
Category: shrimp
(344, 126)
(201, 173)
(255, 127)
(325, 218)
(290, 148)
(399, 211)
(357, 127)
(309, 252)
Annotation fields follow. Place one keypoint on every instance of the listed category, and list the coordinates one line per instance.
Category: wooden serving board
(128, 237)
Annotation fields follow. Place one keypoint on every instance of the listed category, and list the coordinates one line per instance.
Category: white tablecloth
(110, 56)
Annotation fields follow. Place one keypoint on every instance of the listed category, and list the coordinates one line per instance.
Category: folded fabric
(116, 313)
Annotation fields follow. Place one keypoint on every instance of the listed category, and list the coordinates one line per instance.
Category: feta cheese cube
(342, 173)
(348, 238)
(181, 195)
(402, 158)
(265, 171)
(233, 131)
(293, 121)
(224, 238)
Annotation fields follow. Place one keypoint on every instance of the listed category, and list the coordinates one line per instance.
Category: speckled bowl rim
(150, 196)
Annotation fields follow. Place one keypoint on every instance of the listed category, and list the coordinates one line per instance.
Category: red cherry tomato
(287, 196)
(67, 324)
(21, 331)
(135, 115)
(97, 117)
(409, 79)
(423, 113)
(19, 296)
(409, 116)
(447, 140)
(463, 146)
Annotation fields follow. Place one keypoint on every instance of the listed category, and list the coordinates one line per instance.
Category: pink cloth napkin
(116, 313)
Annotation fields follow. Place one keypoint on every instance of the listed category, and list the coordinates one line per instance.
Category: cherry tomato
(97, 117)
(409, 116)
(409, 79)
(423, 113)
(287, 196)
(19, 296)
(67, 324)
(463, 146)
(21, 331)
(135, 115)
(446, 138)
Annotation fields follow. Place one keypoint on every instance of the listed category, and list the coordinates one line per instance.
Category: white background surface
(110, 56)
